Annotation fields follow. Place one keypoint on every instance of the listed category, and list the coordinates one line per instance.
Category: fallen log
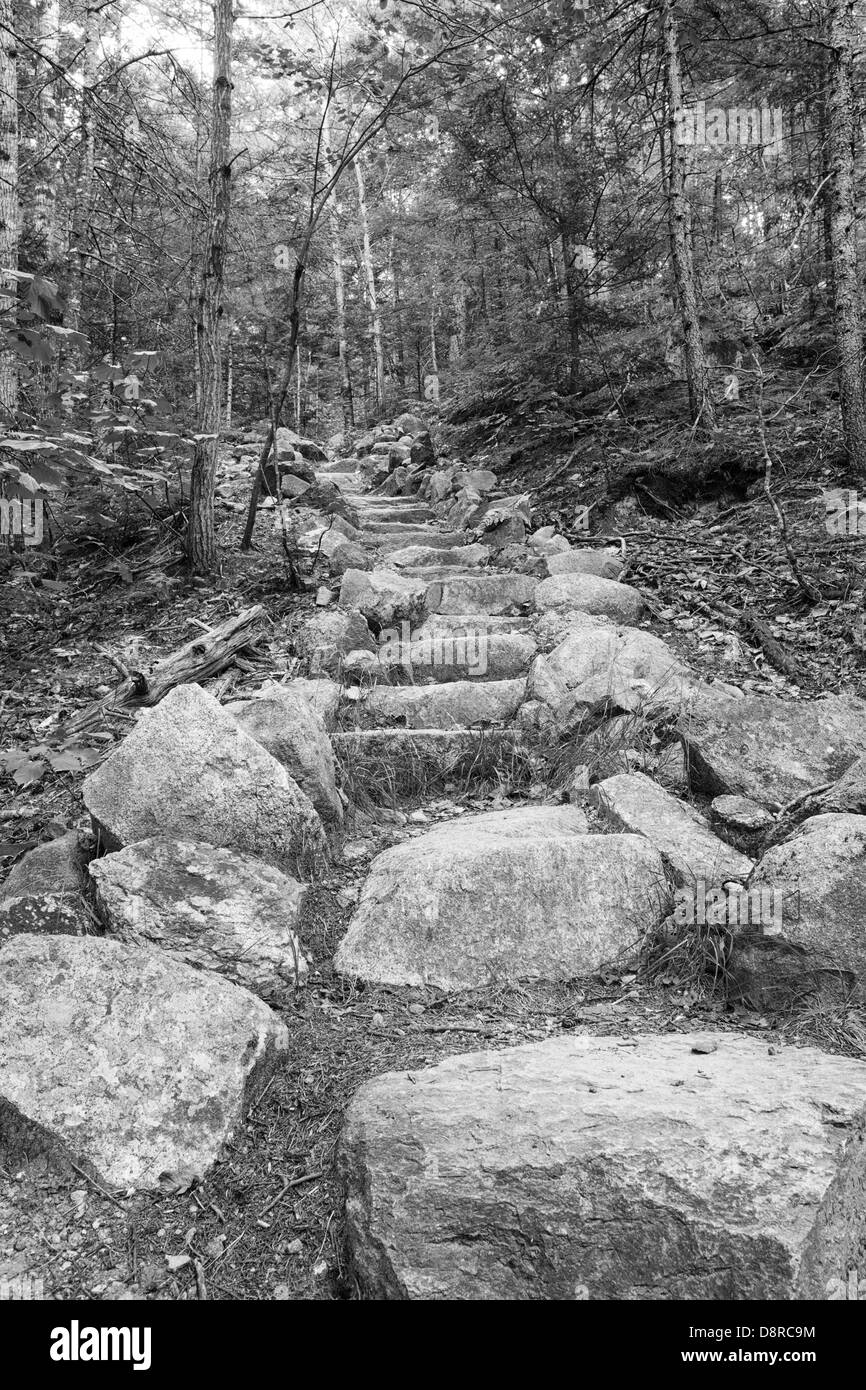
(204, 656)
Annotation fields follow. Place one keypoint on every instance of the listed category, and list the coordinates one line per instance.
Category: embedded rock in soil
(631, 801)
(821, 872)
(125, 1061)
(602, 664)
(383, 596)
(459, 908)
(212, 908)
(284, 723)
(579, 1168)
(769, 749)
(188, 770)
(588, 593)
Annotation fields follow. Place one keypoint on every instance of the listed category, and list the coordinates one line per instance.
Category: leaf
(29, 773)
(26, 445)
(73, 759)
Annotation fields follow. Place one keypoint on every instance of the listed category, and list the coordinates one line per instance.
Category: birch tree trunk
(230, 380)
(375, 319)
(82, 206)
(8, 199)
(847, 314)
(394, 266)
(679, 221)
(201, 539)
(47, 129)
(339, 288)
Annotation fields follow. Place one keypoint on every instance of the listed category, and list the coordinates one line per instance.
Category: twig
(812, 593)
(96, 1187)
(287, 1185)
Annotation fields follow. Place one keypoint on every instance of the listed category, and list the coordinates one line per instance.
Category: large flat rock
(212, 908)
(634, 802)
(454, 705)
(769, 749)
(646, 1168)
(188, 770)
(468, 905)
(124, 1060)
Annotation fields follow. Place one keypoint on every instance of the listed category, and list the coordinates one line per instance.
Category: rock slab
(462, 907)
(580, 1168)
(212, 908)
(134, 1066)
(772, 750)
(188, 770)
(634, 802)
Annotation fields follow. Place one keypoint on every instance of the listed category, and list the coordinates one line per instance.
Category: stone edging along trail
(463, 643)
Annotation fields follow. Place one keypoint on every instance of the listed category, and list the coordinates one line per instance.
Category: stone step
(438, 658)
(519, 894)
(434, 573)
(482, 593)
(418, 516)
(470, 623)
(334, 474)
(388, 541)
(419, 557)
(460, 704)
(395, 766)
(582, 1168)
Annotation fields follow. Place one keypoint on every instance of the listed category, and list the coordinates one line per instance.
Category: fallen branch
(204, 656)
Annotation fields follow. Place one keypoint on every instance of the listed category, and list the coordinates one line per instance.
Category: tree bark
(679, 220)
(201, 539)
(8, 200)
(847, 314)
(82, 207)
(339, 292)
(46, 170)
(375, 318)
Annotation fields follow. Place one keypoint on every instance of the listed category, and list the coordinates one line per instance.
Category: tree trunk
(847, 316)
(230, 380)
(339, 293)
(83, 194)
(394, 266)
(8, 200)
(47, 130)
(679, 220)
(573, 304)
(201, 539)
(375, 319)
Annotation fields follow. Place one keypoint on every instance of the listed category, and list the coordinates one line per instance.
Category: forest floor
(266, 1224)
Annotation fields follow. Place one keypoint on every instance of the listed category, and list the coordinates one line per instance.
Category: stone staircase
(686, 1165)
